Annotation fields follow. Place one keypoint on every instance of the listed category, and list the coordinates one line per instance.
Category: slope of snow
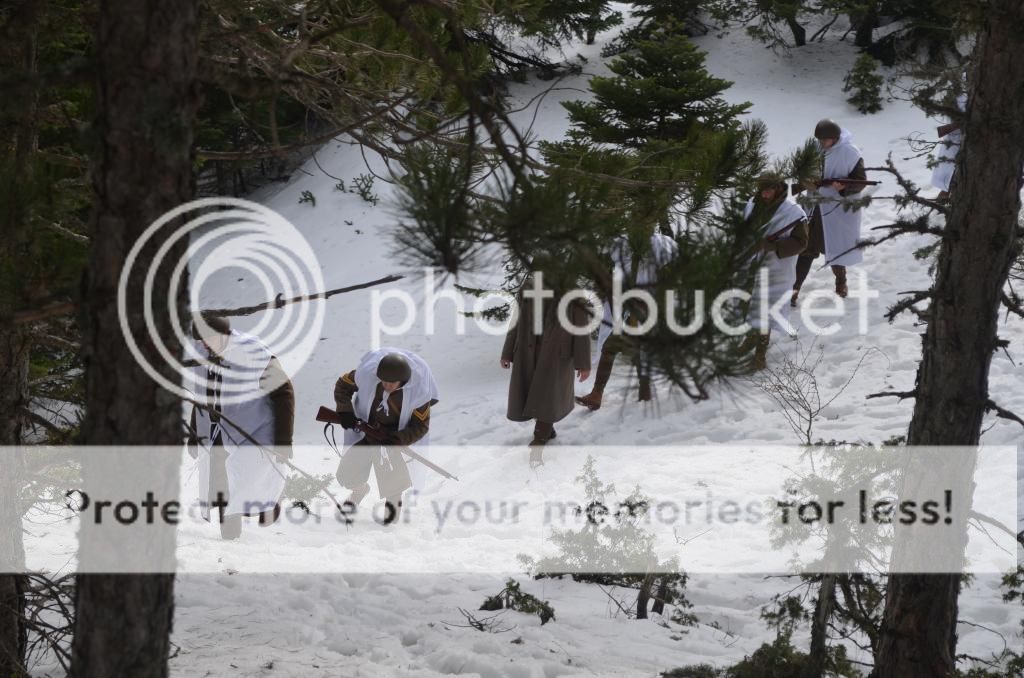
(409, 625)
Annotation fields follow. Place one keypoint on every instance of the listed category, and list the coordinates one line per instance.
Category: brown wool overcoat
(543, 367)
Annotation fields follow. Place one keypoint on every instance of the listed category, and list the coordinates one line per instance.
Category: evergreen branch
(907, 304)
(908, 187)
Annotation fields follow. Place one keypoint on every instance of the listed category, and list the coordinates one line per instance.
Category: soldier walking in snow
(661, 249)
(835, 224)
(783, 228)
(541, 385)
(949, 148)
(384, 405)
(250, 407)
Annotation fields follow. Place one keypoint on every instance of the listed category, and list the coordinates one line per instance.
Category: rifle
(328, 416)
(949, 127)
(799, 188)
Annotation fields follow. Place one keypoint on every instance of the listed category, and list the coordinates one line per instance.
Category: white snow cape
(840, 223)
(662, 250)
(255, 479)
(949, 147)
(417, 392)
(781, 272)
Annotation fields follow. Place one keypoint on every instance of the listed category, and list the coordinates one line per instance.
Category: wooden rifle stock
(327, 416)
(949, 127)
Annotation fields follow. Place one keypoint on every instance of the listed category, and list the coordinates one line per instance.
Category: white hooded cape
(662, 250)
(417, 392)
(949, 147)
(781, 272)
(841, 223)
(255, 479)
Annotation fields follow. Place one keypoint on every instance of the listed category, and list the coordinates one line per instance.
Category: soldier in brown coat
(541, 387)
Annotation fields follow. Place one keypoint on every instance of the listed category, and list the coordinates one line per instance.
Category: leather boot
(392, 509)
(268, 518)
(542, 433)
(358, 494)
(761, 353)
(841, 289)
(592, 401)
(645, 389)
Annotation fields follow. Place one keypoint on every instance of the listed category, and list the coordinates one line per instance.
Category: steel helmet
(394, 367)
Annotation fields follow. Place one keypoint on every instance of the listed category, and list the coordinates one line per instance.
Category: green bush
(866, 84)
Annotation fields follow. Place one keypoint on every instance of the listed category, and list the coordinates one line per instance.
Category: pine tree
(661, 92)
(866, 84)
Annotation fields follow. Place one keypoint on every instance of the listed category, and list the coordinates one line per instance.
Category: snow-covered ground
(410, 625)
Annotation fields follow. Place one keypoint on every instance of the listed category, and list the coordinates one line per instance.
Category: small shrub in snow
(866, 84)
(307, 197)
(302, 490)
(363, 187)
(513, 598)
(610, 549)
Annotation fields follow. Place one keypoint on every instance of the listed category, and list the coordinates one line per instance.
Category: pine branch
(909, 188)
(907, 304)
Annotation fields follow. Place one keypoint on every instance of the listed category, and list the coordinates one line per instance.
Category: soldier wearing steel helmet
(383, 403)
(835, 222)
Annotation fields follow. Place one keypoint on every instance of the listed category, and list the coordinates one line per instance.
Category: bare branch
(279, 301)
(990, 406)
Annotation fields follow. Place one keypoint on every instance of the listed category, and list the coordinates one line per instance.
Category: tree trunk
(919, 627)
(644, 596)
(146, 102)
(661, 596)
(865, 21)
(798, 31)
(13, 392)
(823, 608)
(14, 352)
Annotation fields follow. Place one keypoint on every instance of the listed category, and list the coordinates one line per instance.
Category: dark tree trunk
(146, 102)
(661, 596)
(644, 596)
(798, 31)
(13, 390)
(865, 21)
(823, 608)
(919, 628)
(14, 348)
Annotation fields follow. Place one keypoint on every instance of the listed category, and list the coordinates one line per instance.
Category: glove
(348, 419)
(768, 245)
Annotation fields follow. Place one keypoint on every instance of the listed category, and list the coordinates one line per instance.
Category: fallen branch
(278, 302)
(892, 394)
(45, 313)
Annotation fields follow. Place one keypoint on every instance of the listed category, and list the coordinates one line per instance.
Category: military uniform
(354, 469)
